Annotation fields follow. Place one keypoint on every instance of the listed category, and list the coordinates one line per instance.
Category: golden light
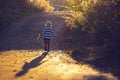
(41, 4)
(55, 66)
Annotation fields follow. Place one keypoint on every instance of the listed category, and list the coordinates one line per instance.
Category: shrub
(105, 20)
(41, 4)
(102, 25)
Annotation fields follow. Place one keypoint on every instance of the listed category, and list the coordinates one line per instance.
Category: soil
(22, 57)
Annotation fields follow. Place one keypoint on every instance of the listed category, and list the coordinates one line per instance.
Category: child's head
(48, 24)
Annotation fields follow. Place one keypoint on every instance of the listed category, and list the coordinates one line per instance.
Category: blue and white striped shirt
(47, 32)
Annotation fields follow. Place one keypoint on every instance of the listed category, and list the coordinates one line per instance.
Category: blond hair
(48, 24)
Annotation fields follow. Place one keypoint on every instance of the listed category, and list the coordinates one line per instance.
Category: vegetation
(94, 33)
(43, 5)
(104, 20)
(13, 10)
(94, 26)
(79, 9)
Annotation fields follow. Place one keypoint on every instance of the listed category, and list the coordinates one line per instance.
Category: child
(47, 34)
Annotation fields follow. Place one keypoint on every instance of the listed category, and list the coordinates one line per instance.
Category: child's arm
(39, 36)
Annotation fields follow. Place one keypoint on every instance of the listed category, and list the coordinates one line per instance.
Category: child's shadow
(32, 64)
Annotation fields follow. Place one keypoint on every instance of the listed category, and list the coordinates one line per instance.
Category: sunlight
(22, 55)
(41, 4)
(56, 65)
(79, 71)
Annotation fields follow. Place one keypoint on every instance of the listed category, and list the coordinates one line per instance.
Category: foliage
(79, 5)
(41, 4)
(75, 20)
(105, 20)
(102, 25)
(79, 9)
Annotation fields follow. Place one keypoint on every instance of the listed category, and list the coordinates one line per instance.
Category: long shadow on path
(34, 63)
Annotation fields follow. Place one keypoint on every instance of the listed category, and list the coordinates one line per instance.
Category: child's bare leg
(48, 45)
(45, 44)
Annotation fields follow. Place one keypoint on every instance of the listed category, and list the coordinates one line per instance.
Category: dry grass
(41, 4)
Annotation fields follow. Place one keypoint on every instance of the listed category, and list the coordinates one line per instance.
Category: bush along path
(22, 57)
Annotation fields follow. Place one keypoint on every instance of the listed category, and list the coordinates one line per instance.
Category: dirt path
(23, 35)
(23, 58)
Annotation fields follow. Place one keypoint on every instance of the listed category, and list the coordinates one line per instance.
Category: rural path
(22, 57)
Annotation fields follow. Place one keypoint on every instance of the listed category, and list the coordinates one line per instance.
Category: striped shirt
(47, 32)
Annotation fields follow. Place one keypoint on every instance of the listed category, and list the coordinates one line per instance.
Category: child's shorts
(47, 41)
